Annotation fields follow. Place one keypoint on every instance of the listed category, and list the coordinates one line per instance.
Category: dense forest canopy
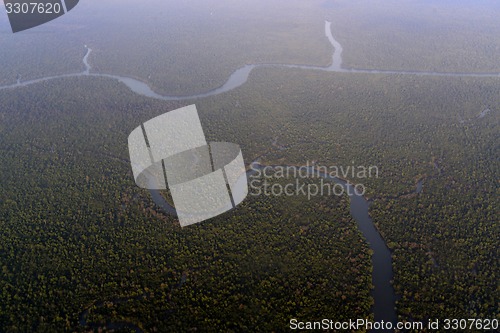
(82, 247)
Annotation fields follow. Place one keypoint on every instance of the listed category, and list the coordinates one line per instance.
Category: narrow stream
(240, 76)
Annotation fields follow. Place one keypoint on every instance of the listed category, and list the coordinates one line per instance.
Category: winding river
(382, 275)
(383, 293)
(240, 76)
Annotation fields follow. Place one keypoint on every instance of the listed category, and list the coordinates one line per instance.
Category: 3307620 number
(471, 324)
(33, 8)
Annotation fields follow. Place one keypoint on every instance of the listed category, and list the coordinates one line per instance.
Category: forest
(77, 233)
(83, 248)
